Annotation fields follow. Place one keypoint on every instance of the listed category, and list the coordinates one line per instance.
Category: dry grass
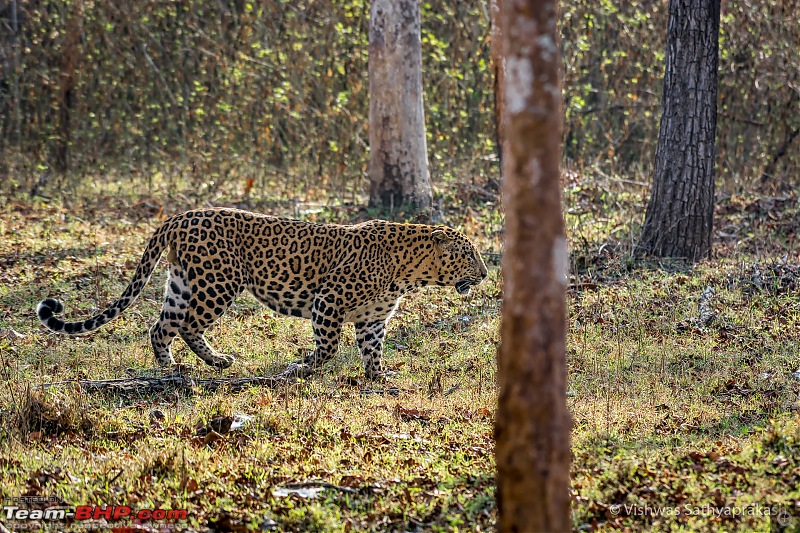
(420, 457)
(669, 410)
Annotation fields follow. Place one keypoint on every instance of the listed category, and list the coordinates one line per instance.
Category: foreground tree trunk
(398, 162)
(533, 424)
(680, 214)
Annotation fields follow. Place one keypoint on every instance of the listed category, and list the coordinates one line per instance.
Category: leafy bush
(277, 91)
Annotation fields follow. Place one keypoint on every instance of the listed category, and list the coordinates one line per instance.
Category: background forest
(207, 93)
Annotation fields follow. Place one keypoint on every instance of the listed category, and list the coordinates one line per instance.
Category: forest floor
(681, 384)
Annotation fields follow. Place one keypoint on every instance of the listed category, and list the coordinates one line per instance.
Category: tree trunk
(499, 65)
(680, 214)
(398, 163)
(69, 59)
(15, 51)
(533, 423)
(790, 135)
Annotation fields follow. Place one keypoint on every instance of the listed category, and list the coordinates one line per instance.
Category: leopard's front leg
(369, 336)
(327, 320)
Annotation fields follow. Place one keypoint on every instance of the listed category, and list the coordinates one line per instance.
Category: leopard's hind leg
(206, 306)
(173, 313)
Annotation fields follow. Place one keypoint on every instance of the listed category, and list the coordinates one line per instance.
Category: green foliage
(277, 91)
(218, 89)
(613, 55)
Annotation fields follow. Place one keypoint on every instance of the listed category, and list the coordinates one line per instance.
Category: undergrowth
(681, 383)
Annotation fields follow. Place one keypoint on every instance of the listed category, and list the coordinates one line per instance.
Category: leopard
(331, 274)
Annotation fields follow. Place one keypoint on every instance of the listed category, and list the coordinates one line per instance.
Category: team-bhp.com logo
(92, 512)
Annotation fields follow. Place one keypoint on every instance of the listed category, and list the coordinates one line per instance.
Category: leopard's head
(456, 261)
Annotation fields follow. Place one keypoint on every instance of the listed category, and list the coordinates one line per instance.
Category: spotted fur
(328, 273)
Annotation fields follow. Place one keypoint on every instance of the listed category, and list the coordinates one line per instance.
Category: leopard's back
(328, 273)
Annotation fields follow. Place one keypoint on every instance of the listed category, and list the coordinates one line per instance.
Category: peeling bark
(533, 423)
(680, 213)
(398, 164)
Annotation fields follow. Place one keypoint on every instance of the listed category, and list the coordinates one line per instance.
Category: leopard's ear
(440, 237)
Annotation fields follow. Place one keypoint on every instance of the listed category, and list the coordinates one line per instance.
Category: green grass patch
(677, 417)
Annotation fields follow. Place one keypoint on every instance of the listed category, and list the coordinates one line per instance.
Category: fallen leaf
(156, 417)
(189, 484)
(220, 424)
(406, 414)
(11, 334)
(351, 480)
(264, 401)
(225, 522)
(780, 461)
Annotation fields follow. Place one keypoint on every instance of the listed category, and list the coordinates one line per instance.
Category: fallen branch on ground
(179, 380)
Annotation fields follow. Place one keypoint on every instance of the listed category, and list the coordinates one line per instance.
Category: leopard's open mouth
(463, 286)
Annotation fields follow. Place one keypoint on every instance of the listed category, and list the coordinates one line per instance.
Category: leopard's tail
(152, 253)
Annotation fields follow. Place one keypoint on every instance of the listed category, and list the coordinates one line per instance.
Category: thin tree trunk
(499, 65)
(789, 137)
(680, 214)
(533, 423)
(67, 83)
(398, 163)
(17, 74)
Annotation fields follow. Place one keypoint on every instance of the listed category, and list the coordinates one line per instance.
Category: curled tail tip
(49, 307)
(46, 309)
